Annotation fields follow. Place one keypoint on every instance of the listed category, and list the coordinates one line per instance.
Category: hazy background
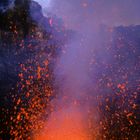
(110, 12)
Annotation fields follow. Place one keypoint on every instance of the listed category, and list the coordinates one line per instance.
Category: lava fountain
(70, 120)
(65, 125)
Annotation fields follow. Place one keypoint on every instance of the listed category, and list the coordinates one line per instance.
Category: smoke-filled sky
(83, 71)
(110, 12)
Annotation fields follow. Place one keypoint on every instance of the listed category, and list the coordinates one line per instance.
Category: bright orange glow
(65, 125)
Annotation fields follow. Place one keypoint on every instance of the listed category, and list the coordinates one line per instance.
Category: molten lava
(65, 125)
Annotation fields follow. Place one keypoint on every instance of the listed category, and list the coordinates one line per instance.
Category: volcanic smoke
(70, 117)
(69, 69)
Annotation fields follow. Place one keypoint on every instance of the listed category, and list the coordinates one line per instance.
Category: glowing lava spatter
(65, 124)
